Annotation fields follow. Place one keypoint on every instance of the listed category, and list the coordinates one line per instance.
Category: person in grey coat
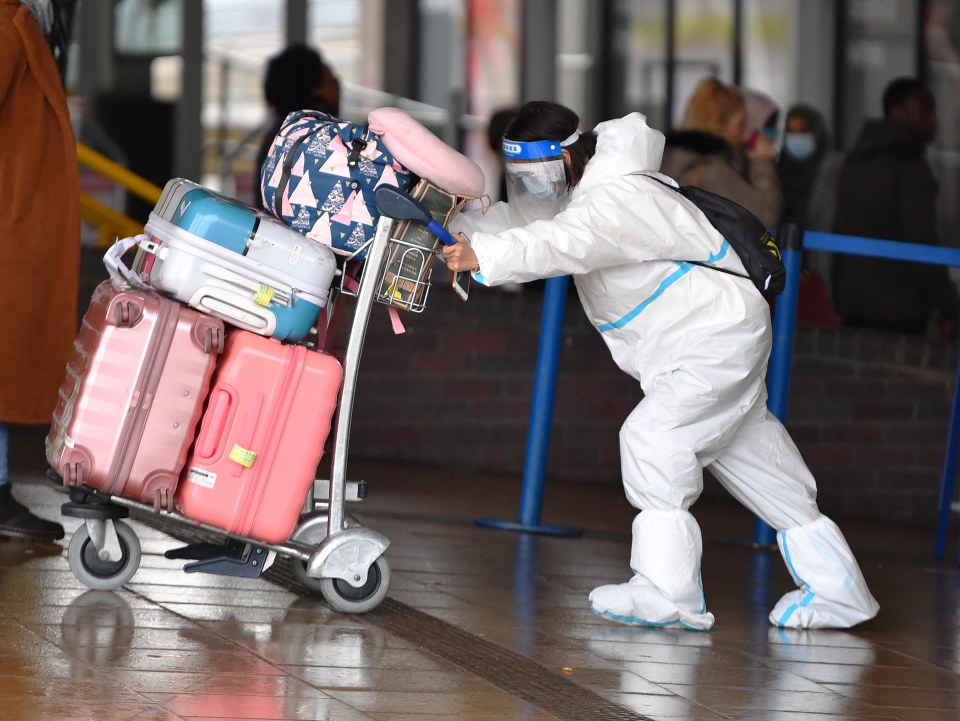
(887, 190)
(708, 151)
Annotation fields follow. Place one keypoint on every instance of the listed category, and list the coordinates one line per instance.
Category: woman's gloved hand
(460, 257)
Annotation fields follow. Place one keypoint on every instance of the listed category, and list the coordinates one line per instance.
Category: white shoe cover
(640, 603)
(833, 592)
(665, 590)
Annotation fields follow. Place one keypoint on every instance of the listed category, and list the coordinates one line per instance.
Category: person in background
(297, 78)
(886, 189)
(708, 151)
(39, 239)
(761, 115)
(808, 169)
(590, 204)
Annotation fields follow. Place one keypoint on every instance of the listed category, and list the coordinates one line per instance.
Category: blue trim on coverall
(808, 597)
(668, 281)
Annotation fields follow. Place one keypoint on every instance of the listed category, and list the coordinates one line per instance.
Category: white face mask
(800, 146)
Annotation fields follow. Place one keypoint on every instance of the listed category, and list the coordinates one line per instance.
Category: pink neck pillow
(426, 155)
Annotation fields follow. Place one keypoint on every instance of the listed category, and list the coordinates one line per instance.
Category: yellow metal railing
(110, 223)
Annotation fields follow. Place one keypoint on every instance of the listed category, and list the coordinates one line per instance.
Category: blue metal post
(541, 416)
(949, 470)
(781, 355)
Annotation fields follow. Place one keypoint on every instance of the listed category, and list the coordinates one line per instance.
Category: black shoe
(18, 523)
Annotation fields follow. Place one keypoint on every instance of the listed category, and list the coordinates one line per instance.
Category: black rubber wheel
(345, 598)
(96, 573)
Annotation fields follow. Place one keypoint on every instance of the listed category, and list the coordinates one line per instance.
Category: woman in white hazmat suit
(698, 342)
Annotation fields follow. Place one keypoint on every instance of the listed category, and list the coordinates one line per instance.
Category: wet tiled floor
(479, 625)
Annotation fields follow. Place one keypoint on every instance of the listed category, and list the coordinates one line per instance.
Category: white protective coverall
(698, 342)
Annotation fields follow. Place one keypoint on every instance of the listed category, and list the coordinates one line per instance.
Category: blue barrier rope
(894, 250)
(781, 356)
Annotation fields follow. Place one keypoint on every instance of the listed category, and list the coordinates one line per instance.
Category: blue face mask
(800, 146)
(538, 186)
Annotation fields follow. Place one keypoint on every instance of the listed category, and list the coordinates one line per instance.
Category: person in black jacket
(297, 79)
(887, 190)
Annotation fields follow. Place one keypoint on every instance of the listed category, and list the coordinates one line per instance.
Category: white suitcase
(224, 258)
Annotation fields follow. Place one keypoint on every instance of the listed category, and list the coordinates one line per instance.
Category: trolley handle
(396, 204)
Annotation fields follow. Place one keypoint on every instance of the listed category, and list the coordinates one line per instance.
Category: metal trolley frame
(329, 551)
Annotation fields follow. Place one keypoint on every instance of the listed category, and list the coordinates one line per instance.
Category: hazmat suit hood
(624, 145)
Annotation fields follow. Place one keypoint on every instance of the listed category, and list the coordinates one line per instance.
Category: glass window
(147, 27)
(881, 44)
(335, 30)
(704, 46)
(637, 77)
(769, 49)
(942, 35)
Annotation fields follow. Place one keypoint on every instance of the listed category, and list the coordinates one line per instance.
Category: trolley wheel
(104, 575)
(343, 597)
(312, 533)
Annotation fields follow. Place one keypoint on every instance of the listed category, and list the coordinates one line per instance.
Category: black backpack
(749, 237)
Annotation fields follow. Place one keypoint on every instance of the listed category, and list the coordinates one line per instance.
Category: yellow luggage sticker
(264, 295)
(243, 456)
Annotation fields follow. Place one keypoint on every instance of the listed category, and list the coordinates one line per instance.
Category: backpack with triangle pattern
(320, 176)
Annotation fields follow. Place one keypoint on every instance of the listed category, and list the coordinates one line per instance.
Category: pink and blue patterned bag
(320, 176)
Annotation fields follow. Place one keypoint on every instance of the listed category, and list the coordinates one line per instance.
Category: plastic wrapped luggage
(132, 394)
(261, 437)
(224, 258)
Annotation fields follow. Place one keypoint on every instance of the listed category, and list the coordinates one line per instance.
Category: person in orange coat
(39, 239)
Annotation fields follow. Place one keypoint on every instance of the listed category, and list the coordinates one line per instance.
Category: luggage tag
(120, 275)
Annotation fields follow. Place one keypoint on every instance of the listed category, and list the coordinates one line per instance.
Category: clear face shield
(536, 182)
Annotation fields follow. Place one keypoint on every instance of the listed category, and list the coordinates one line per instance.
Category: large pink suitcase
(132, 394)
(261, 437)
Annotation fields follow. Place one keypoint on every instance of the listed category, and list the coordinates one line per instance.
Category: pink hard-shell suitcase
(132, 394)
(261, 437)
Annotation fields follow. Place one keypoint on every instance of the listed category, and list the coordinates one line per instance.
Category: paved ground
(479, 625)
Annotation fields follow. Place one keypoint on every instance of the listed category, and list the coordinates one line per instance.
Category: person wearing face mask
(714, 150)
(887, 189)
(591, 204)
(808, 169)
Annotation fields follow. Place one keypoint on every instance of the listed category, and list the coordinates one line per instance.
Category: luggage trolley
(328, 551)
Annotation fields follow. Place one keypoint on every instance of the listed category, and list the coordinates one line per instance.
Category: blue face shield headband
(536, 181)
(533, 150)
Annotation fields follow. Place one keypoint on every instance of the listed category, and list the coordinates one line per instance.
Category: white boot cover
(833, 593)
(666, 590)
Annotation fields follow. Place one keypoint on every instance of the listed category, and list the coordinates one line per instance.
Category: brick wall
(868, 410)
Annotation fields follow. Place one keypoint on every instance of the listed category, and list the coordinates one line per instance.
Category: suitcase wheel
(126, 313)
(73, 474)
(344, 598)
(97, 573)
